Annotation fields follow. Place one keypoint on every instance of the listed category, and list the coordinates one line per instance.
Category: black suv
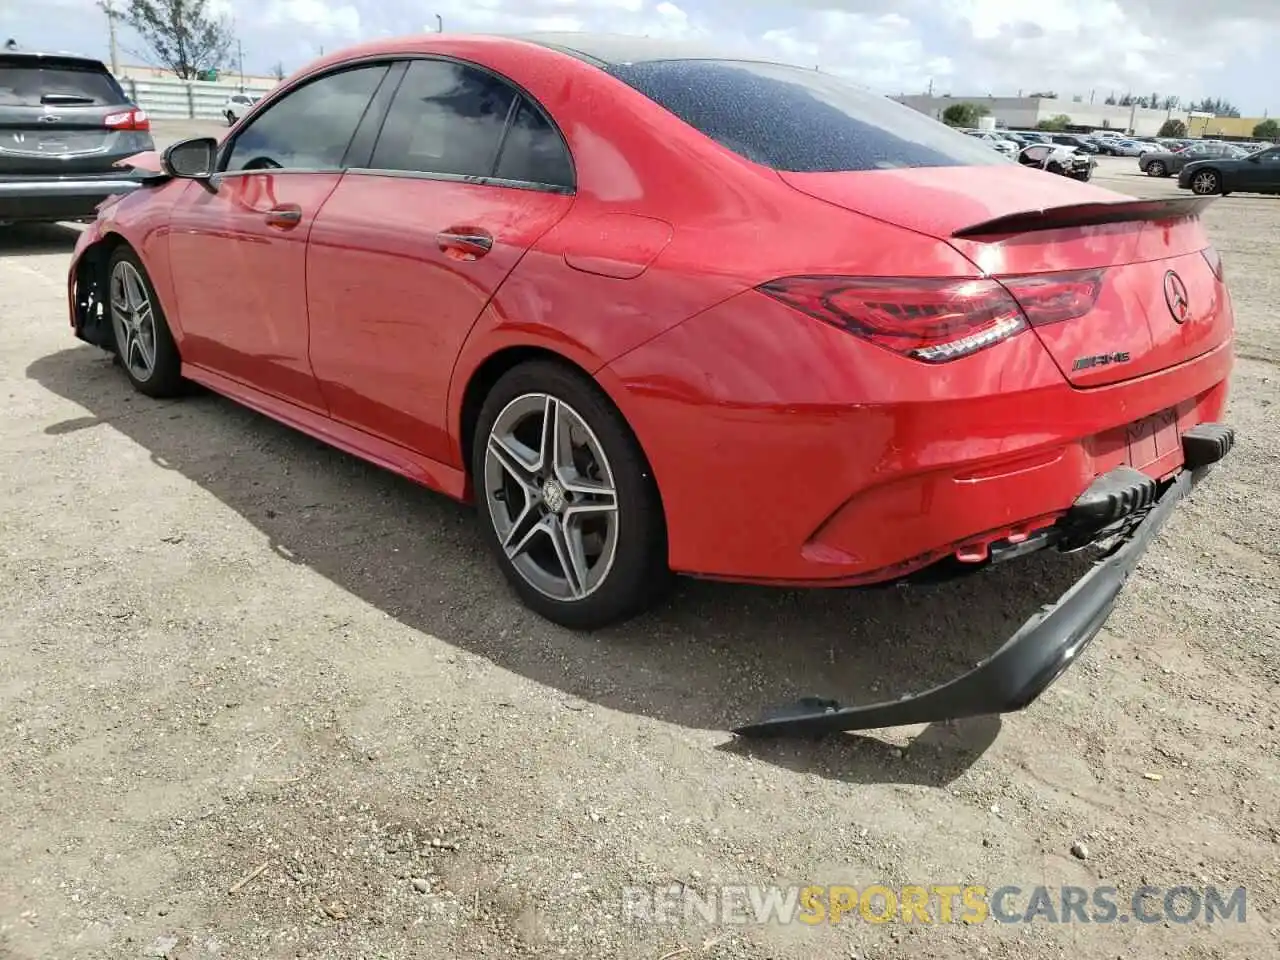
(64, 122)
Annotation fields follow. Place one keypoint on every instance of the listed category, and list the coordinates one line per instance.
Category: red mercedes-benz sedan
(656, 310)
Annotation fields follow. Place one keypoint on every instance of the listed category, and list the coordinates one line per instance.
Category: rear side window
(801, 121)
(62, 85)
(446, 119)
(533, 151)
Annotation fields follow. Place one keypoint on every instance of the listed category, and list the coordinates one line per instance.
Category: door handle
(465, 243)
(286, 215)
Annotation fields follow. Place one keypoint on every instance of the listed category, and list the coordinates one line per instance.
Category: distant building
(1024, 113)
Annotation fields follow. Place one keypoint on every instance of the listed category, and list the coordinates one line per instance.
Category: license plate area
(1152, 444)
(1152, 439)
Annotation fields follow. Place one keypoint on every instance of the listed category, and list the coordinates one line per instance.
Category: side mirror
(193, 159)
(1254, 158)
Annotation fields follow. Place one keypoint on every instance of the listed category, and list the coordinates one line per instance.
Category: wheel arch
(489, 371)
(89, 290)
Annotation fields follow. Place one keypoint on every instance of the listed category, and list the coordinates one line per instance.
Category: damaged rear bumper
(1050, 641)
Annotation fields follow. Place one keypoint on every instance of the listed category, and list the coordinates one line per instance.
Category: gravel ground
(262, 700)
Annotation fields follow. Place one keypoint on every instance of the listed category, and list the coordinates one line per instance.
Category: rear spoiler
(1087, 215)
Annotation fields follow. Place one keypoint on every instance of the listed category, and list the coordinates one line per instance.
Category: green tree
(963, 114)
(1173, 128)
(1057, 122)
(1267, 130)
(185, 36)
(1217, 106)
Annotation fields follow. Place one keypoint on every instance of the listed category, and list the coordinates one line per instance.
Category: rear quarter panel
(681, 224)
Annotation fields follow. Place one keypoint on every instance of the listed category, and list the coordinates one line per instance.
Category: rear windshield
(30, 86)
(797, 120)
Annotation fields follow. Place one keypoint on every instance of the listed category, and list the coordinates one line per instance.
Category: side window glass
(533, 151)
(310, 128)
(446, 119)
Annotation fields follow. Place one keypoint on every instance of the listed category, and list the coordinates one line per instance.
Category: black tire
(231, 118)
(639, 575)
(1206, 183)
(1156, 168)
(165, 378)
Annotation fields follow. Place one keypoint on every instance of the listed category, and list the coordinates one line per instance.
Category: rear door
(467, 174)
(63, 116)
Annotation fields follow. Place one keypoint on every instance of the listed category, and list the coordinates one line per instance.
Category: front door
(1263, 172)
(238, 246)
(466, 175)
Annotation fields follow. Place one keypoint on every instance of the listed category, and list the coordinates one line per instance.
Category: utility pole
(240, 61)
(439, 24)
(108, 7)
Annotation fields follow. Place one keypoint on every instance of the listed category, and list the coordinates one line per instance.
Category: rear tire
(548, 444)
(140, 332)
(231, 118)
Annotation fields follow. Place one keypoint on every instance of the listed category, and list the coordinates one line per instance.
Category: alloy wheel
(1205, 183)
(550, 492)
(134, 321)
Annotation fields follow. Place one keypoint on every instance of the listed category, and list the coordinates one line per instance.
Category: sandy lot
(233, 658)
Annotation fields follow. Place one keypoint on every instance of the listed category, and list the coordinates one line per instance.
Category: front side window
(309, 128)
(797, 120)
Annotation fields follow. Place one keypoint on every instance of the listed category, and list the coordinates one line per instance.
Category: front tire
(231, 118)
(1156, 169)
(1206, 183)
(566, 498)
(141, 334)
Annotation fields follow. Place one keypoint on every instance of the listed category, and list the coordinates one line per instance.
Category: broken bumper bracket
(1033, 658)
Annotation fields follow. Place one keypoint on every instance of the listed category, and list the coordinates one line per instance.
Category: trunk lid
(1159, 301)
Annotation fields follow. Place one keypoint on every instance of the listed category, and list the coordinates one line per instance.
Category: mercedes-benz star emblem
(1175, 295)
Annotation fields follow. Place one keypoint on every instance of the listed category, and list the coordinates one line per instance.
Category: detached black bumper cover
(1042, 649)
(69, 198)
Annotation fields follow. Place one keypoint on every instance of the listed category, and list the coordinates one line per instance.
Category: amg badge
(1100, 360)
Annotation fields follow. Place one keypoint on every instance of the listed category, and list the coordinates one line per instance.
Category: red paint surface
(785, 449)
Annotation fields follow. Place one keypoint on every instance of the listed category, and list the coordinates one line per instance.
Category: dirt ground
(231, 657)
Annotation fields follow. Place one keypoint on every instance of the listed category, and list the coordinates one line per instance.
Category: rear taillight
(1214, 259)
(127, 120)
(932, 320)
(1054, 297)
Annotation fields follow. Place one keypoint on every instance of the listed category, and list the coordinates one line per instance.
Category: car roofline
(590, 48)
(51, 56)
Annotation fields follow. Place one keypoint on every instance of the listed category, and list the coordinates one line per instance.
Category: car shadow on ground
(37, 239)
(712, 656)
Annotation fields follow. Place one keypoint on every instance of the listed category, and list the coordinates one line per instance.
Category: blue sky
(1187, 48)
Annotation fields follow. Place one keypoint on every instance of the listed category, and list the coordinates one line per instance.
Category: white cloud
(1181, 47)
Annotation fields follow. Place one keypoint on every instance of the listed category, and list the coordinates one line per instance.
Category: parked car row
(1164, 163)
(1256, 172)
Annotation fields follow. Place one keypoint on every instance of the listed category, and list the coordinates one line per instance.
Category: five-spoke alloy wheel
(143, 342)
(571, 510)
